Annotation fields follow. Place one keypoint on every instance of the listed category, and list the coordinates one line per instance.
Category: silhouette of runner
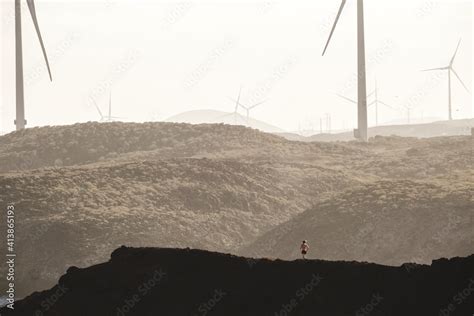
(304, 248)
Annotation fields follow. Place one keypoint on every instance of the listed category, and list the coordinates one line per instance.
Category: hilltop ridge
(154, 281)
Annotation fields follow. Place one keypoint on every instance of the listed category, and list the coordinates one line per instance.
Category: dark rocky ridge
(154, 281)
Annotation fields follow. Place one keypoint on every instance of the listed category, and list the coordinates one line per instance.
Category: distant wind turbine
(102, 119)
(249, 108)
(375, 102)
(361, 131)
(246, 108)
(235, 114)
(108, 117)
(408, 109)
(20, 120)
(450, 70)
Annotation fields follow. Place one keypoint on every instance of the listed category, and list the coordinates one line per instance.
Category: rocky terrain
(83, 190)
(176, 282)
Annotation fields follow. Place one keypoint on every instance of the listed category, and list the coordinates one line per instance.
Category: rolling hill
(220, 117)
(83, 190)
(88, 211)
(388, 222)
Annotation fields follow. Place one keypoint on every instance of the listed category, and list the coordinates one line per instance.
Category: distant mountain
(215, 117)
(426, 130)
(154, 281)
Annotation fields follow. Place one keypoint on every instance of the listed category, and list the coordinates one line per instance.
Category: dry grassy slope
(388, 222)
(77, 215)
(392, 157)
(92, 142)
(136, 184)
(401, 158)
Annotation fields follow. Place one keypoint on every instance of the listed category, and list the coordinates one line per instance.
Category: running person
(304, 248)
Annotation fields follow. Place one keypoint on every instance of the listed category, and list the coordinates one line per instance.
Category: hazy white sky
(165, 57)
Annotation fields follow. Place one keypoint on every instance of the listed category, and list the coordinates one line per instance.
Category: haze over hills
(389, 222)
(156, 281)
(208, 204)
(88, 188)
(216, 117)
(424, 130)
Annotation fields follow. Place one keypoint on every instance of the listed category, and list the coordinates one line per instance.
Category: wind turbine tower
(375, 102)
(450, 70)
(20, 120)
(108, 117)
(361, 131)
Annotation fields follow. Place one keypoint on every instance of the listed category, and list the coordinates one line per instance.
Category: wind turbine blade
(237, 104)
(110, 104)
(389, 106)
(372, 103)
(441, 68)
(347, 99)
(334, 26)
(257, 104)
(459, 78)
(455, 53)
(238, 99)
(31, 6)
(98, 109)
(370, 94)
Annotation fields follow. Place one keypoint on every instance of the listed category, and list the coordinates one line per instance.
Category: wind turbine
(408, 108)
(235, 113)
(20, 120)
(249, 108)
(246, 108)
(361, 131)
(236, 108)
(108, 117)
(450, 69)
(375, 102)
(102, 118)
